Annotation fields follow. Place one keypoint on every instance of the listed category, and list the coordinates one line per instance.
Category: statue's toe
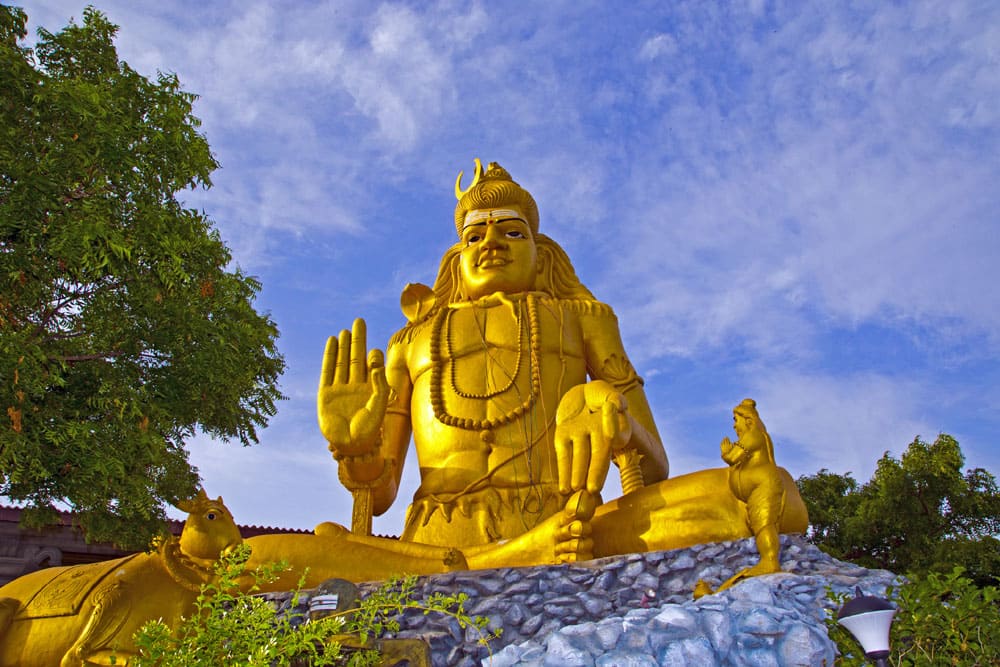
(581, 505)
(575, 550)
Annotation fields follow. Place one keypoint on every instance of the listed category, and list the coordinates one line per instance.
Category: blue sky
(795, 202)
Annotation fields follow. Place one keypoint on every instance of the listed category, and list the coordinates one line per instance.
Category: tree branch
(72, 358)
(84, 292)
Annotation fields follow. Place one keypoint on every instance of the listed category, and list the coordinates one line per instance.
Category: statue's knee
(330, 529)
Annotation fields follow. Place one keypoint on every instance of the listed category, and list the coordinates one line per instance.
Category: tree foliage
(123, 330)
(941, 619)
(917, 514)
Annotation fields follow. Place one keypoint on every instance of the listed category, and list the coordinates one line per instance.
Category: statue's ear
(543, 266)
(416, 301)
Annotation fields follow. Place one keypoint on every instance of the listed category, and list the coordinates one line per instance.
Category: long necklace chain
(452, 363)
(438, 334)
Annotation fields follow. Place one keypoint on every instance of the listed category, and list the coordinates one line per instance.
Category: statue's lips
(491, 262)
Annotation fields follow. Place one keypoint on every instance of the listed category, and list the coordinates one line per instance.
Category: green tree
(123, 329)
(831, 500)
(942, 619)
(917, 514)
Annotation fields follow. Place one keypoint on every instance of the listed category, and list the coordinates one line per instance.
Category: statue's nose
(494, 237)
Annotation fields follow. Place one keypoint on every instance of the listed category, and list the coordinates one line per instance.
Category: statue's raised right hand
(353, 394)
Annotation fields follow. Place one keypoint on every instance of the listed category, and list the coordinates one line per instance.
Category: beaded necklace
(451, 355)
(440, 334)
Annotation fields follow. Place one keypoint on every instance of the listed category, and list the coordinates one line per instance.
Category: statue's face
(499, 253)
(741, 424)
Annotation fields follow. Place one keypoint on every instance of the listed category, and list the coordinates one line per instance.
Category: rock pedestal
(637, 610)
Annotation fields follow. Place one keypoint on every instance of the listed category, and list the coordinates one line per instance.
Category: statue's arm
(606, 360)
(396, 427)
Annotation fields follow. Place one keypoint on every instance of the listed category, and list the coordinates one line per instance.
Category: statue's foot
(703, 588)
(760, 568)
(564, 537)
(455, 560)
(573, 541)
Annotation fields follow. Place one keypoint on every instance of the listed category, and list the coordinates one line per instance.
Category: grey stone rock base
(637, 610)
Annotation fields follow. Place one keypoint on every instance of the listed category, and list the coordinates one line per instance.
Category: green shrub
(943, 619)
(231, 626)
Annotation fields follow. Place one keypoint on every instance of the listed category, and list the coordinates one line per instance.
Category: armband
(619, 373)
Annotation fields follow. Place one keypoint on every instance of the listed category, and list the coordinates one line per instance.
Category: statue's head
(493, 189)
(210, 529)
(745, 416)
(748, 426)
(500, 248)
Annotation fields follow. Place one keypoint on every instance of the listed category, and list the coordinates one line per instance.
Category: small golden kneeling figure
(754, 479)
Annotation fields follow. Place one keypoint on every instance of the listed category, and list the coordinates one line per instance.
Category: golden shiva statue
(514, 384)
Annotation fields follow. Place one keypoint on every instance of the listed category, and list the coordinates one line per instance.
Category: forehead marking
(490, 216)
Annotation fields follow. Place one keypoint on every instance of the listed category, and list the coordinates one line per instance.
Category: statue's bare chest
(489, 346)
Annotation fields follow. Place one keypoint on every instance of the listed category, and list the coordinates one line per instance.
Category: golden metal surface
(513, 382)
(756, 481)
(85, 614)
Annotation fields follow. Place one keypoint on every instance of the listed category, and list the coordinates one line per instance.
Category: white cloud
(656, 46)
(831, 183)
(401, 80)
(843, 423)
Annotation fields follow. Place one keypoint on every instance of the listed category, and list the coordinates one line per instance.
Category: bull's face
(210, 529)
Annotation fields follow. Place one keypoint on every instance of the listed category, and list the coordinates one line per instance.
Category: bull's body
(87, 614)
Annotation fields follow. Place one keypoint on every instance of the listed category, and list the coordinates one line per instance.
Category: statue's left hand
(591, 425)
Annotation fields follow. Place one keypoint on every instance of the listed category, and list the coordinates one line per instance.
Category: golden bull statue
(87, 614)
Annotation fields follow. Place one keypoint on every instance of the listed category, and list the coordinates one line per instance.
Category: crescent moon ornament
(459, 192)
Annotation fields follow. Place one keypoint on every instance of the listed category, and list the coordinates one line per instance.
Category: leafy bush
(232, 626)
(943, 619)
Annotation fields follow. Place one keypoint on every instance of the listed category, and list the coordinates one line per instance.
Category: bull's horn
(190, 505)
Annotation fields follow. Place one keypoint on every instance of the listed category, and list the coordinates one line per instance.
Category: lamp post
(869, 618)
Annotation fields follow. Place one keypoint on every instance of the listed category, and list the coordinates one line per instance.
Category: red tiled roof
(13, 515)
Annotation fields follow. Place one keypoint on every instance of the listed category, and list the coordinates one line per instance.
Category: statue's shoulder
(587, 307)
(413, 332)
(404, 336)
(417, 303)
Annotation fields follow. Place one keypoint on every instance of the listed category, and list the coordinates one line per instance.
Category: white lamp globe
(869, 619)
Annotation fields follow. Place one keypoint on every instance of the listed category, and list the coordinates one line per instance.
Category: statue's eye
(473, 238)
(515, 234)
(210, 516)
